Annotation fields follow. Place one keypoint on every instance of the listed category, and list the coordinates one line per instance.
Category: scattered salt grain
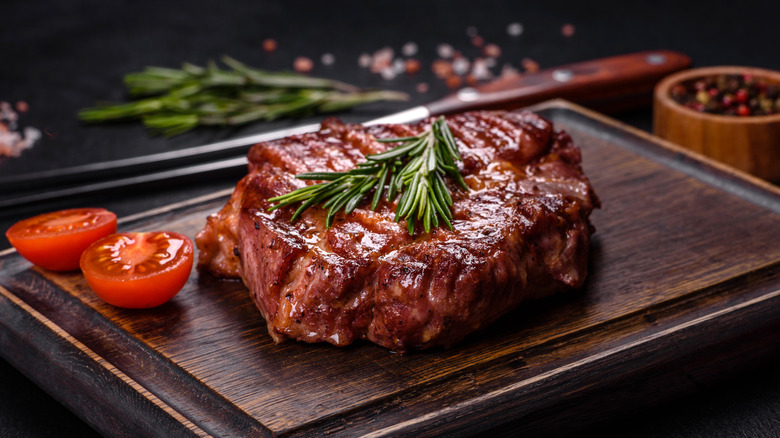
(477, 41)
(409, 49)
(364, 60)
(567, 30)
(328, 59)
(445, 50)
(461, 66)
(480, 70)
(399, 65)
(13, 142)
(31, 135)
(388, 73)
(422, 87)
(7, 112)
(514, 29)
(8, 142)
(8, 116)
(382, 59)
(303, 64)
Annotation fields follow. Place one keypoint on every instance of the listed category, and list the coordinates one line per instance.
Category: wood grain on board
(684, 284)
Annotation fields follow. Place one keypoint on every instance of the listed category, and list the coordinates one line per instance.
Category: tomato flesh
(56, 240)
(138, 270)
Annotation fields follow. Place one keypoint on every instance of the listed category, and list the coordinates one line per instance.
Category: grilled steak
(521, 232)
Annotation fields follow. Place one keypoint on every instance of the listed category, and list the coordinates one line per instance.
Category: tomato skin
(138, 270)
(56, 240)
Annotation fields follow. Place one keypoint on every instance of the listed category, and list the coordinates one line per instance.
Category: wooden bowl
(749, 143)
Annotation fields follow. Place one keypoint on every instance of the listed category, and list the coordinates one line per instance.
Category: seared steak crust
(522, 231)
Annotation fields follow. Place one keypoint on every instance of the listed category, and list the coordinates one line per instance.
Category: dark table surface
(62, 56)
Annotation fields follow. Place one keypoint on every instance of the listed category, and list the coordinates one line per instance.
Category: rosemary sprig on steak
(178, 100)
(415, 169)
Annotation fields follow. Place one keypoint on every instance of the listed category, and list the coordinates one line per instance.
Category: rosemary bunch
(174, 101)
(415, 168)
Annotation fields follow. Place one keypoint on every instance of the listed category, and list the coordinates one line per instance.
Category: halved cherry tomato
(138, 270)
(56, 240)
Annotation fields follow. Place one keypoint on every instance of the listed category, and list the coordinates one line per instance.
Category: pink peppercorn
(303, 64)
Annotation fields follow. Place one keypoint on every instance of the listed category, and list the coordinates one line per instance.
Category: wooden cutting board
(684, 284)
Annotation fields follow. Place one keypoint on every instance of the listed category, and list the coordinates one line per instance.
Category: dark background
(63, 56)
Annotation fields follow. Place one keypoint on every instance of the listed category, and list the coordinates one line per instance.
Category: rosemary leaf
(234, 96)
(326, 176)
(414, 168)
(364, 188)
(380, 186)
